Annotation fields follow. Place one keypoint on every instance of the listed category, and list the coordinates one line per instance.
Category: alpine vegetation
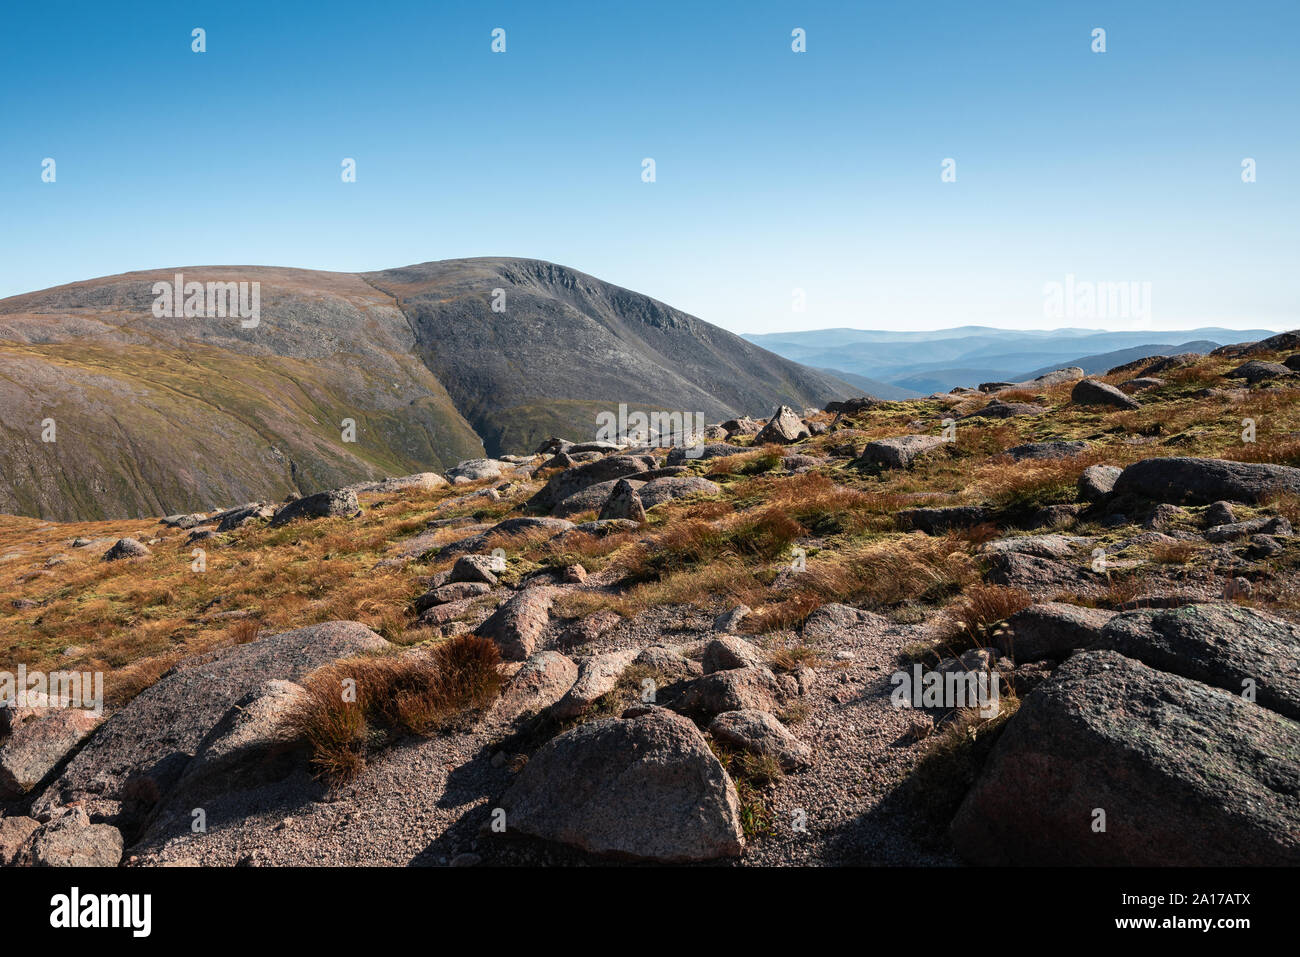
(877, 632)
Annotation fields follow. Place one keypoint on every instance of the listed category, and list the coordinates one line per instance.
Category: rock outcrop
(1185, 775)
(645, 788)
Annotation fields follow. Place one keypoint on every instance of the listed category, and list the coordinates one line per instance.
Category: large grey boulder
(34, 740)
(126, 548)
(1038, 574)
(70, 840)
(1186, 775)
(1282, 342)
(1165, 363)
(476, 470)
(899, 452)
(1257, 371)
(1092, 392)
(233, 518)
(1141, 384)
(668, 662)
(417, 482)
(1054, 449)
(542, 681)
(784, 427)
(761, 733)
(644, 788)
(339, 501)
(597, 676)
(451, 592)
(508, 528)
(936, 521)
(247, 746)
(15, 832)
(562, 485)
(1220, 644)
(622, 503)
(669, 488)
(250, 746)
(517, 625)
(1097, 481)
(737, 689)
(139, 753)
(1043, 546)
(834, 619)
(728, 651)
(1196, 481)
(473, 569)
(1233, 531)
(592, 498)
(1056, 377)
(997, 409)
(185, 521)
(1051, 630)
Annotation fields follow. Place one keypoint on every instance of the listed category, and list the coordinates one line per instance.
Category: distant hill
(156, 415)
(873, 387)
(1109, 360)
(939, 360)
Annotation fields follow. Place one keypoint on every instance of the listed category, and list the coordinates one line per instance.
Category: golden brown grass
(1174, 553)
(133, 619)
(880, 575)
(972, 619)
(1020, 395)
(1006, 483)
(1275, 451)
(1285, 504)
(111, 615)
(244, 631)
(763, 459)
(353, 708)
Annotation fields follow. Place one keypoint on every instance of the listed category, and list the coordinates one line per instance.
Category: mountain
(153, 415)
(938, 360)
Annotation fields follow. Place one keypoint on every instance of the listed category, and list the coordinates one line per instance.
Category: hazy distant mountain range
(918, 363)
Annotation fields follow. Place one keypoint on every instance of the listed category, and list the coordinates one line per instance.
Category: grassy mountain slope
(176, 414)
(157, 415)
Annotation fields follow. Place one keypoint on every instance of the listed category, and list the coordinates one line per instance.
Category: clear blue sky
(775, 170)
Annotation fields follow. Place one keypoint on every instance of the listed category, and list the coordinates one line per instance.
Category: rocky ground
(693, 655)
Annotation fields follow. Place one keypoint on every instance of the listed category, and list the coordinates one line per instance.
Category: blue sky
(776, 171)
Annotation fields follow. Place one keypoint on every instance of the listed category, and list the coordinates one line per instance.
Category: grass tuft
(354, 708)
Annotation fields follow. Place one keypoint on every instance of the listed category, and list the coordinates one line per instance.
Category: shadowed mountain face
(566, 346)
(155, 415)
